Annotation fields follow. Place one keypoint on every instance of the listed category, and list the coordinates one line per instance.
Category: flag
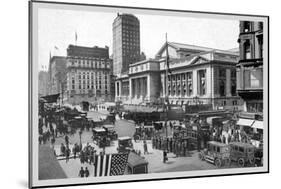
(110, 164)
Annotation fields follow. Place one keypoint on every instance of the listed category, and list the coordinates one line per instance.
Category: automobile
(216, 153)
(100, 137)
(111, 133)
(143, 132)
(124, 144)
(242, 153)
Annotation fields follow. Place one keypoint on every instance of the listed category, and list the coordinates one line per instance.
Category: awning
(258, 125)
(245, 122)
(99, 130)
(210, 119)
(51, 98)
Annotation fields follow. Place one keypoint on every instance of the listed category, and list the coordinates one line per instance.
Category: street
(127, 128)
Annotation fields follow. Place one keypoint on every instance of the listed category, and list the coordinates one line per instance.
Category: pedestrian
(62, 149)
(86, 172)
(145, 147)
(40, 139)
(67, 154)
(53, 140)
(170, 145)
(81, 172)
(74, 150)
(165, 158)
(82, 157)
(66, 140)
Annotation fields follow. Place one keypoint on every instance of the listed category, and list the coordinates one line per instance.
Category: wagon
(216, 153)
(242, 153)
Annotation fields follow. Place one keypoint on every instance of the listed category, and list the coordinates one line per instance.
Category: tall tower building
(250, 66)
(126, 42)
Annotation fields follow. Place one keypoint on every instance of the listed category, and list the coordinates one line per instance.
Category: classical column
(145, 86)
(148, 87)
(130, 88)
(228, 82)
(141, 80)
(133, 88)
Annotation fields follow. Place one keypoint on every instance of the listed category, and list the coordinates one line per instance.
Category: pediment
(199, 60)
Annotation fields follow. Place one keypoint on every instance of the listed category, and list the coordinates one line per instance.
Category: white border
(35, 182)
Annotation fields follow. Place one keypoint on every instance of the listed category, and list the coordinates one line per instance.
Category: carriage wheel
(241, 162)
(227, 162)
(218, 162)
(201, 156)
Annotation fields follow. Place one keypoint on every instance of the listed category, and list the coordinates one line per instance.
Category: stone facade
(250, 66)
(57, 75)
(43, 83)
(89, 74)
(196, 75)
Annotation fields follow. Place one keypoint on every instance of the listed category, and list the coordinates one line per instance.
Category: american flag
(110, 164)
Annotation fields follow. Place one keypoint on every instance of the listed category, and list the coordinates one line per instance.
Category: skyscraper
(126, 42)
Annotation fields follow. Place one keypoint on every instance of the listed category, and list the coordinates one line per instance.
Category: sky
(57, 28)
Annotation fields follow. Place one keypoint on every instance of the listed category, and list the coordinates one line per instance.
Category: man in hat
(86, 172)
(81, 172)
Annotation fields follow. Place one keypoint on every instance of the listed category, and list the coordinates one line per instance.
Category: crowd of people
(171, 145)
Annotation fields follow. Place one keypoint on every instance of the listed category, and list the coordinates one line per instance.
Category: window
(247, 26)
(202, 82)
(189, 83)
(233, 82)
(222, 82)
(260, 42)
(218, 149)
(254, 106)
(241, 149)
(247, 49)
(253, 78)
